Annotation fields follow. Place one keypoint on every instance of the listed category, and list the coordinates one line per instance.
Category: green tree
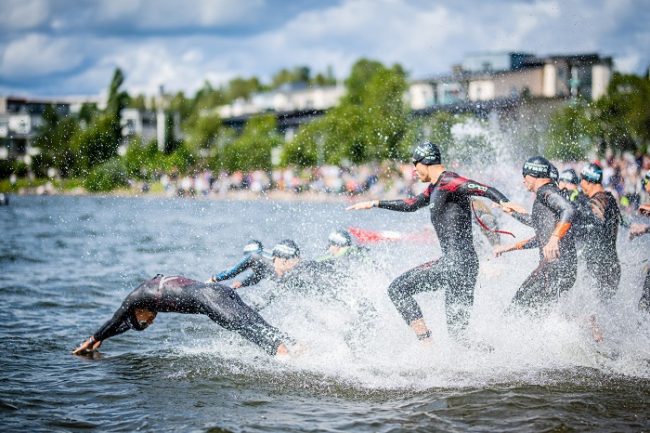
(368, 125)
(299, 74)
(252, 149)
(619, 120)
(571, 132)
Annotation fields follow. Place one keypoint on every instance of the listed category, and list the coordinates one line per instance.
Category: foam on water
(380, 351)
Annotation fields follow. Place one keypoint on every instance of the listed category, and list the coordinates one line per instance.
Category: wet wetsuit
(601, 223)
(260, 268)
(580, 203)
(307, 277)
(456, 271)
(182, 295)
(552, 214)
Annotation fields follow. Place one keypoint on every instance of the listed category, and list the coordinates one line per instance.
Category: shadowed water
(67, 263)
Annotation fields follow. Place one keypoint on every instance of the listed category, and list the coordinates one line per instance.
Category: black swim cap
(592, 173)
(286, 249)
(340, 238)
(427, 153)
(554, 174)
(538, 167)
(569, 176)
(253, 247)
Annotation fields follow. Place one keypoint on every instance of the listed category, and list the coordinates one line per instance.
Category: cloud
(67, 46)
(17, 15)
(36, 55)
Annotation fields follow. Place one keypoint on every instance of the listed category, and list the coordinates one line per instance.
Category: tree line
(371, 123)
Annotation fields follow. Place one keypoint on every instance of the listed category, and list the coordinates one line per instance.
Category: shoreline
(241, 195)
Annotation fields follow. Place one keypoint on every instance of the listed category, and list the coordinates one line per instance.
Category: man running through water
(551, 218)
(640, 229)
(601, 223)
(568, 183)
(177, 294)
(448, 197)
(294, 275)
(255, 259)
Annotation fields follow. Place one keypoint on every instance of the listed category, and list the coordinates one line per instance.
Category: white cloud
(23, 14)
(36, 55)
(425, 37)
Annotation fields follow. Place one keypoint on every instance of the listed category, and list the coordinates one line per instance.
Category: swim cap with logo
(538, 167)
(286, 249)
(427, 153)
(569, 176)
(340, 238)
(592, 173)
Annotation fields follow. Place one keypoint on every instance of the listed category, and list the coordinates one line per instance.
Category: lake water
(67, 262)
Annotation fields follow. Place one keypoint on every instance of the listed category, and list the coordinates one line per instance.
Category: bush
(107, 176)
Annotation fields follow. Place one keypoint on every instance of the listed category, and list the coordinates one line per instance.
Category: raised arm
(245, 263)
(409, 204)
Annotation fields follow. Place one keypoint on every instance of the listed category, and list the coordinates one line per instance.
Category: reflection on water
(67, 263)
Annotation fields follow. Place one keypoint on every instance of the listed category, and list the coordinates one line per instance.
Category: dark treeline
(371, 123)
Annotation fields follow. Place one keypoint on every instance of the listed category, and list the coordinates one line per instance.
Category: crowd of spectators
(621, 175)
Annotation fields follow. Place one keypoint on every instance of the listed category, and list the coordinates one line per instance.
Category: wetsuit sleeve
(473, 188)
(527, 244)
(523, 218)
(409, 204)
(116, 324)
(245, 263)
(562, 207)
(260, 272)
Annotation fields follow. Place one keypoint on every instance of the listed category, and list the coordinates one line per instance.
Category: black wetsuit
(260, 268)
(601, 223)
(456, 271)
(551, 214)
(178, 294)
(580, 203)
(644, 302)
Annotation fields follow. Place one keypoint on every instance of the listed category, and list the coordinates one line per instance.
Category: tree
(619, 120)
(368, 125)
(252, 149)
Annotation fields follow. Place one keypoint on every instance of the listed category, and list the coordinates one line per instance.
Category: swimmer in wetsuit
(178, 294)
(551, 218)
(294, 275)
(639, 229)
(601, 228)
(340, 248)
(448, 198)
(255, 259)
(568, 183)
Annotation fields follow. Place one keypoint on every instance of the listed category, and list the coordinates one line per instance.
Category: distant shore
(157, 191)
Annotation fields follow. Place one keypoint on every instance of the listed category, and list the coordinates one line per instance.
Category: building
(286, 99)
(20, 120)
(494, 76)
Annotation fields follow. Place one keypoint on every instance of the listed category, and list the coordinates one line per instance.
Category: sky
(71, 47)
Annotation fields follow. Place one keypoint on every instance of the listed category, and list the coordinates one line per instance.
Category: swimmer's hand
(499, 250)
(210, 280)
(362, 205)
(552, 249)
(644, 209)
(87, 347)
(637, 230)
(509, 207)
(236, 284)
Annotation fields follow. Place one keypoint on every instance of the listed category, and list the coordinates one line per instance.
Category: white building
(285, 99)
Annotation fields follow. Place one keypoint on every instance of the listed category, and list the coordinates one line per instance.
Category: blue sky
(71, 47)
